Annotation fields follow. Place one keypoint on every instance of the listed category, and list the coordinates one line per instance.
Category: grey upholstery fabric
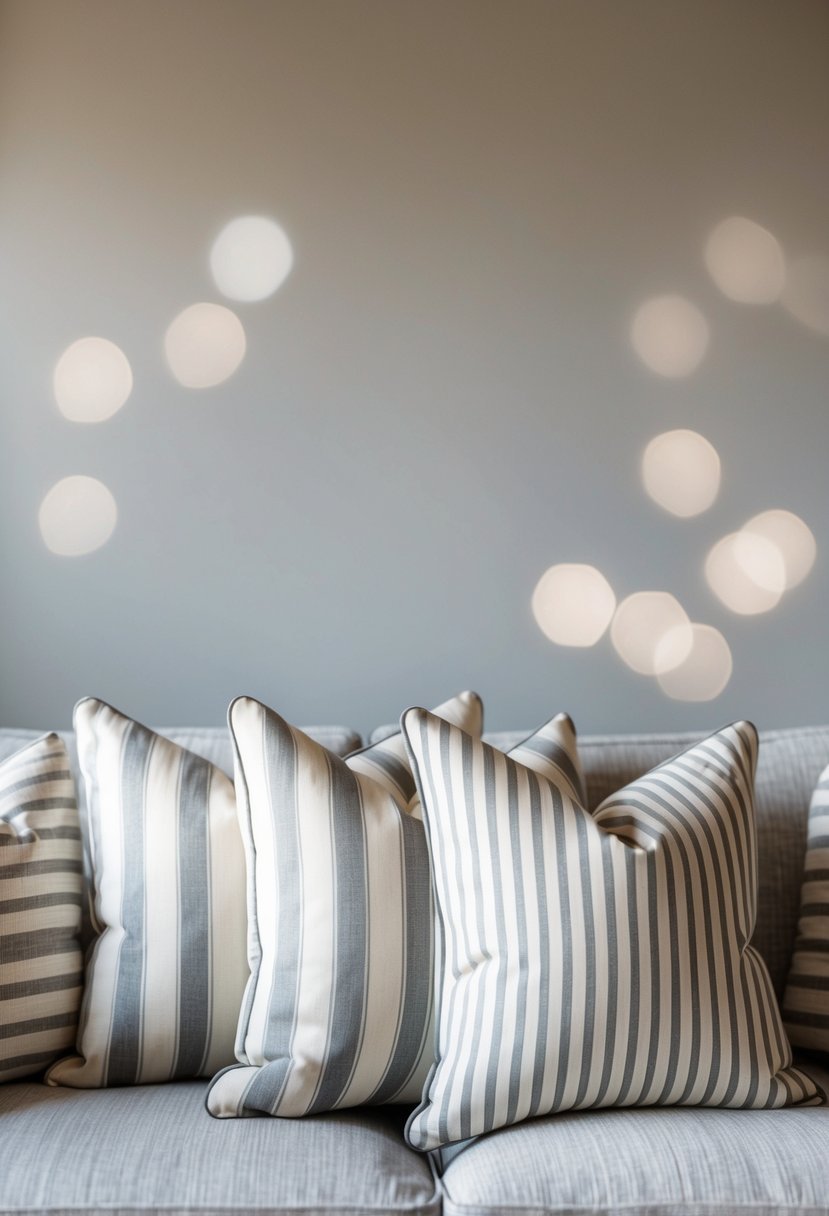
(790, 763)
(154, 1148)
(669, 1162)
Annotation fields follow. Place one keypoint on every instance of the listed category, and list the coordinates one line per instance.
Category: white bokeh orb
(746, 572)
(77, 516)
(705, 670)
(92, 380)
(651, 632)
(792, 537)
(251, 258)
(573, 604)
(681, 472)
(670, 335)
(745, 261)
(204, 345)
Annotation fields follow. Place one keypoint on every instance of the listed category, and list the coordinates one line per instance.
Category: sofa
(155, 1149)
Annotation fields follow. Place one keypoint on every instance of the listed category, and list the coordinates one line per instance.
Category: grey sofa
(155, 1149)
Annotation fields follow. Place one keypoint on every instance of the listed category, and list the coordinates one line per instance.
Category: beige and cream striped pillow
(167, 971)
(41, 882)
(594, 960)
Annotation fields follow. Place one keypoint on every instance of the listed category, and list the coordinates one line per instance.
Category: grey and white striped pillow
(806, 1003)
(166, 974)
(338, 1009)
(596, 960)
(41, 880)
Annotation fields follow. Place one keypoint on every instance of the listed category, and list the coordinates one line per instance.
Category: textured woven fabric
(41, 967)
(338, 1009)
(667, 1162)
(806, 1005)
(594, 960)
(154, 1149)
(167, 972)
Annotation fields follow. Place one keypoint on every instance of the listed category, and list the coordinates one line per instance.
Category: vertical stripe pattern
(41, 877)
(594, 960)
(167, 970)
(339, 1010)
(806, 1004)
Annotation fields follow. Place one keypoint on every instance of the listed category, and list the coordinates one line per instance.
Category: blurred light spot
(705, 670)
(651, 632)
(251, 257)
(806, 294)
(792, 537)
(746, 572)
(670, 335)
(92, 380)
(77, 516)
(573, 604)
(204, 344)
(681, 472)
(745, 261)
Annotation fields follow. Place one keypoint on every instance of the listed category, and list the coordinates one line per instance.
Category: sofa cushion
(654, 1162)
(154, 1148)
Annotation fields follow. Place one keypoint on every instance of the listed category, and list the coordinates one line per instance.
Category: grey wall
(442, 400)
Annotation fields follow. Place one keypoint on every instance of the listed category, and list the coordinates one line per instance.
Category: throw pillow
(166, 974)
(594, 960)
(41, 884)
(806, 1003)
(340, 1005)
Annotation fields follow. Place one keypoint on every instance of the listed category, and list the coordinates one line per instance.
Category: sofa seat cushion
(154, 1148)
(654, 1161)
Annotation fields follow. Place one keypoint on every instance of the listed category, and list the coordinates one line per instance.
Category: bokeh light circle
(251, 258)
(573, 604)
(681, 472)
(651, 632)
(745, 261)
(670, 335)
(204, 345)
(746, 572)
(704, 672)
(792, 537)
(77, 516)
(92, 380)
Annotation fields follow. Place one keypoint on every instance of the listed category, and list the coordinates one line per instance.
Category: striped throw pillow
(339, 1009)
(41, 880)
(806, 1003)
(166, 974)
(596, 960)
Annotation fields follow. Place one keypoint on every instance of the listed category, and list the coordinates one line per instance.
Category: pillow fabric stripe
(594, 960)
(167, 971)
(41, 877)
(806, 1004)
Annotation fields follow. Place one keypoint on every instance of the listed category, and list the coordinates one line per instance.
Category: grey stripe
(125, 1043)
(347, 1013)
(193, 929)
